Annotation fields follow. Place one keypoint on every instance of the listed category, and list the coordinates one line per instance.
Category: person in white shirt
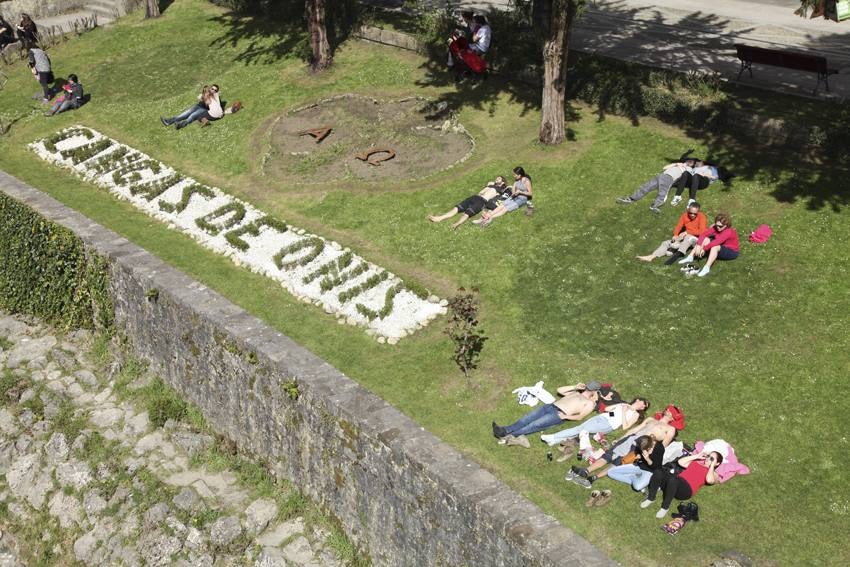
(481, 37)
(661, 182)
(698, 178)
(614, 417)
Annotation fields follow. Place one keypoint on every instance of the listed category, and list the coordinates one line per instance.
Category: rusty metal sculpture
(366, 156)
(318, 134)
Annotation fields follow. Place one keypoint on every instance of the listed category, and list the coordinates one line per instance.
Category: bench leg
(746, 66)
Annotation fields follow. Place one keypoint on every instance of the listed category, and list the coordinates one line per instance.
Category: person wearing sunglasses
(691, 224)
(700, 469)
(720, 242)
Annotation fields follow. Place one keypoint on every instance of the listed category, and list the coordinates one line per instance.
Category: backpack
(761, 235)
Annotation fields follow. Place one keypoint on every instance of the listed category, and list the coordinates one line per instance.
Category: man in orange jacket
(691, 224)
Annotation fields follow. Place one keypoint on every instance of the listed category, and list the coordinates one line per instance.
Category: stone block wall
(400, 493)
(13, 9)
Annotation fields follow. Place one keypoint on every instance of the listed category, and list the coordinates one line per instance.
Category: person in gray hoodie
(39, 63)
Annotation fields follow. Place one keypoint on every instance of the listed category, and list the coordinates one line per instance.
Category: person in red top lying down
(720, 241)
(699, 471)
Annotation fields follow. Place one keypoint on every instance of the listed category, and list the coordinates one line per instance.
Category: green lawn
(756, 353)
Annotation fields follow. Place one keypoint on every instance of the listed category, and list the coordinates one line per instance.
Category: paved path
(695, 34)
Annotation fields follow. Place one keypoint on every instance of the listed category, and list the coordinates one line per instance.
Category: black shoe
(674, 258)
(498, 431)
(181, 125)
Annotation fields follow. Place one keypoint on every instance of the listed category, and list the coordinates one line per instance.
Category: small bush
(464, 331)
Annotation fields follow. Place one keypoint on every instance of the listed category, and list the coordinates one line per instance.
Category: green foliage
(150, 190)
(370, 282)
(314, 241)
(48, 273)
(162, 403)
(69, 420)
(234, 237)
(50, 142)
(462, 328)
(233, 211)
(291, 389)
(332, 267)
(337, 278)
(193, 189)
(386, 309)
(152, 295)
(88, 151)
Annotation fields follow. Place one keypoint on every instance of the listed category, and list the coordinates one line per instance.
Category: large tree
(151, 8)
(320, 48)
(553, 21)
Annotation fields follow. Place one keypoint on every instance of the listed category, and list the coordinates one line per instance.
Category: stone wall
(401, 493)
(13, 9)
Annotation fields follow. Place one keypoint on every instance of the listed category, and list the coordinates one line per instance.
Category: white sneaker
(676, 200)
(646, 503)
(703, 272)
(547, 439)
(691, 201)
(661, 513)
(687, 259)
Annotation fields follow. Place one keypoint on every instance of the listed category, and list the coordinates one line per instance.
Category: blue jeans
(631, 474)
(597, 424)
(536, 420)
(189, 115)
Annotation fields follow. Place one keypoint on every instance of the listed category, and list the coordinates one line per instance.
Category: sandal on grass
(604, 498)
(594, 496)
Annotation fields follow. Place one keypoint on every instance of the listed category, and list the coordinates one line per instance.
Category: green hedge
(47, 272)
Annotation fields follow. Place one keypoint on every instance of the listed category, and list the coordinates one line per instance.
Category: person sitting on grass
(6, 34)
(663, 427)
(615, 417)
(71, 97)
(699, 471)
(701, 176)
(691, 224)
(482, 35)
(217, 108)
(521, 194)
(468, 31)
(473, 204)
(577, 402)
(661, 183)
(720, 241)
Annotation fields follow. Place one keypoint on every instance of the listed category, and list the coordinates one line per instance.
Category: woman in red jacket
(720, 241)
(699, 471)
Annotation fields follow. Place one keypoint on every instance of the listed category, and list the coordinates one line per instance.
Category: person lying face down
(474, 204)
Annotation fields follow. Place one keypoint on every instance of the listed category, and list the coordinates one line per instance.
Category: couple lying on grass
(497, 197)
(716, 242)
(637, 456)
(209, 108)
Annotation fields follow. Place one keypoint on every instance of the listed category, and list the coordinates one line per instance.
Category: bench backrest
(787, 59)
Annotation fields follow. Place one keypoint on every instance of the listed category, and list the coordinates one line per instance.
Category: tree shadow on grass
(280, 30)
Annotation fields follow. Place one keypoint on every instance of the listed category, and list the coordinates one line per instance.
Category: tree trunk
(556, 20)
(319, 46)
(151, 9)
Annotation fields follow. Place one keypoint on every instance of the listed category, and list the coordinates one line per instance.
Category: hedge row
(47, 272)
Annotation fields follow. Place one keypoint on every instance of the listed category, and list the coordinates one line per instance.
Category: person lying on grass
(217, 108)
(661, 183)
(615, 417)
(691, 224)
(664, 427)
(577, 402)
(521, 194)
(720, 241)
(699, 471)
(474, 204)
(698, 178)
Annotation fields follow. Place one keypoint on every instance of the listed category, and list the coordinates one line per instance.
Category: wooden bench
(749, 54)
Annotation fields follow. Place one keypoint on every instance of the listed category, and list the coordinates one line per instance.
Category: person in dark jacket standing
(71, 98)
(27, 32)
(39, 62)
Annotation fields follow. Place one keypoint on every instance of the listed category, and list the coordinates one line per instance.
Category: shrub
(47, 272)
(464, 331)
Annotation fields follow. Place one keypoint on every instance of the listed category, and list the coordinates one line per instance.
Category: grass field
(757, 353)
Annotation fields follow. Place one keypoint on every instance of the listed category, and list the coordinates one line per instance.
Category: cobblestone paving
(85, 476)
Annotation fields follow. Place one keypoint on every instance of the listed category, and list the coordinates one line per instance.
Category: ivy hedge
(47, 272)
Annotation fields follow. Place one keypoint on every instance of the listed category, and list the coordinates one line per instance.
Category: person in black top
(474, 204)
(6, 35)
(71, 97)
(27, 32)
